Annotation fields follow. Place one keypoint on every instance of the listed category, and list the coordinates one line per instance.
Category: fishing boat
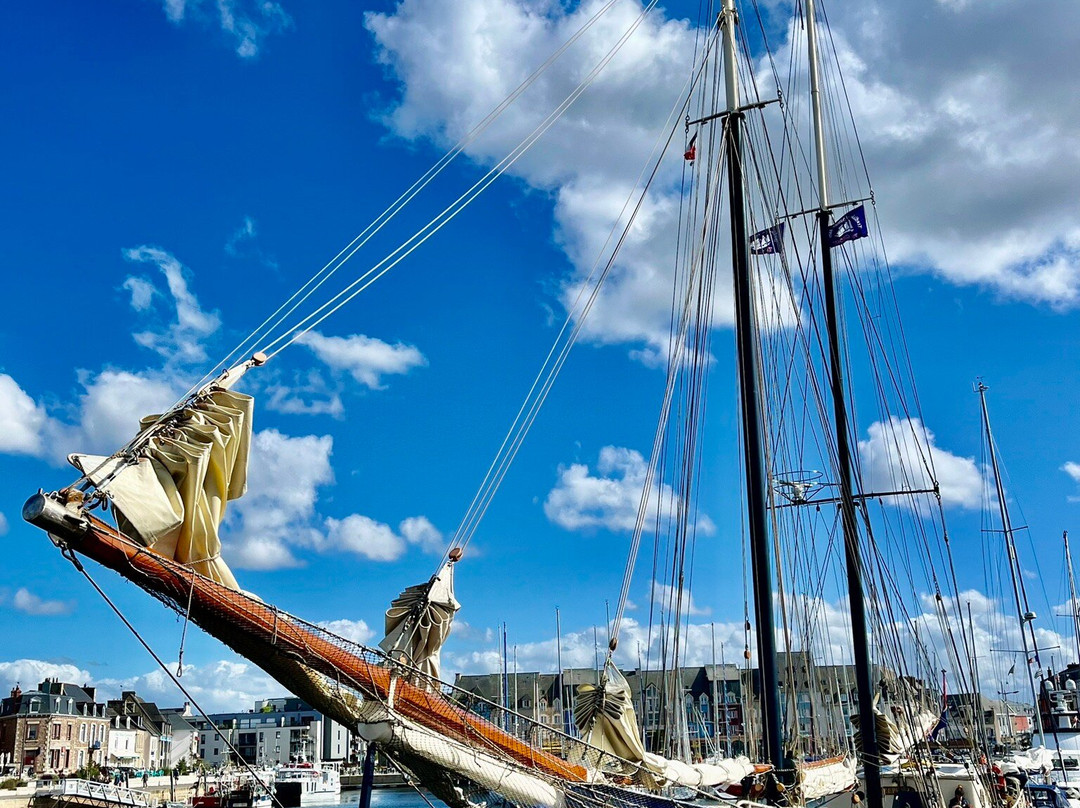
(306, 783)
(152, 510)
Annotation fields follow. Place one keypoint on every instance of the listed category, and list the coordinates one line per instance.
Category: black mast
(750, 402)
(869, 750)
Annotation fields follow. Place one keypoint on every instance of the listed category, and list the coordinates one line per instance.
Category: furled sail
(172, 496)
(419, 619)
(605, 716)
(895, 739)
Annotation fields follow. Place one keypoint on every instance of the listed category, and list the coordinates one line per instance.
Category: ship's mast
(1074, 606)
(1026, 618)
(750, 401)
(856, 597)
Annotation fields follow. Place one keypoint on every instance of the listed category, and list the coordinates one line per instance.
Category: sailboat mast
(750, 401)
(856, 597)
(1014, 562)
(1072, 593)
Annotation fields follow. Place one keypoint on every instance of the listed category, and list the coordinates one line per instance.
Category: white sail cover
(173, 498)
(817, 780)
(419, 620)
(896, 740)
(606, 719)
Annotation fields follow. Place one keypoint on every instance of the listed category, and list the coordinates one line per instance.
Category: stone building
(141, 721)
(53, 730)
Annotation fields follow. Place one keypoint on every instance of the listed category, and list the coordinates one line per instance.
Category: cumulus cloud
(22, 417)
(1073, 470)
(901, 455)
(366, 359)
(610, 497)
(29, 673)
(356, 630)
(105, 417)
(246, 23)
(284, 476)
(29, 603)
(278, 517)
(225, 685)
(377, 541)
(183, 340)
(110, 407)
(951, 106)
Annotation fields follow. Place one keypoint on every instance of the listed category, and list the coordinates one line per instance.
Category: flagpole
(871, 757)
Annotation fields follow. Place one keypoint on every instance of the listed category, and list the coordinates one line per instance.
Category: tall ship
(771, 209)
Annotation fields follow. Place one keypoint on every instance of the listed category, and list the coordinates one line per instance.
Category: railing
(106, 792)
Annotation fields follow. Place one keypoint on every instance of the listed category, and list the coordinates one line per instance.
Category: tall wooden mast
(750, 401)
(869, 750)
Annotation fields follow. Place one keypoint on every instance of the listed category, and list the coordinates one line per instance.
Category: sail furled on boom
(419, 620)
(605, 717)
(172, 496)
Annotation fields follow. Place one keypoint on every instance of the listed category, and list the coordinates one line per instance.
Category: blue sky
(175, 170)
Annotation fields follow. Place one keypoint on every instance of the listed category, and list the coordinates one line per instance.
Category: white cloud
(142, 292)
(226, 685)
(367, 359)
(456, 63)
(610, 498)
(356, 630)
(284, 475)
(668, 598)
(182, 341)
(111, 406)
(245, 232)
(243, 244)
(29, 673)
(376, 541)
(247, 23)
(29, 603)
(3, 525)
(307, 393)
(106, 416)
(1073, 470)
(900, 454)
(418, 531)
(948, 119)
(23, 419)
(278, 515)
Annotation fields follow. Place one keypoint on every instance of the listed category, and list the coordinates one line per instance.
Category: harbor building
(53, 730)
(276, 731)
(140, 736)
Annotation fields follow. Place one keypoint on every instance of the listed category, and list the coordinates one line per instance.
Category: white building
(276, 731)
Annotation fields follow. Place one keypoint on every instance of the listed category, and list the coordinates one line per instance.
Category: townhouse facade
(54, 730)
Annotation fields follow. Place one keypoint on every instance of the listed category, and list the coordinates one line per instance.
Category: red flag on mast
(691, 149)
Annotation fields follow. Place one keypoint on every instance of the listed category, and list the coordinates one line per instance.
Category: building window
(82, 758)
(31, 732)
(70, 725)
(56, 732)
(35, 706)
(82, 732)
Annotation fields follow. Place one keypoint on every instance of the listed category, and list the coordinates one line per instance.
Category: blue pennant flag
(850, 226)
(769, 240)
(942, 723)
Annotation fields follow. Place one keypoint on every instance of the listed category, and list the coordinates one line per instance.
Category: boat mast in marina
(856, 595)
(1025, 615)
(750, 401)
